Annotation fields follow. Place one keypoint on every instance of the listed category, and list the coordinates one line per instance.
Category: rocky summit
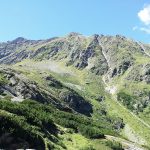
(76, 93)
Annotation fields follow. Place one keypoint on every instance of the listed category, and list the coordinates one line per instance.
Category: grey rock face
(100, 54)
(76, 102)
(22, 88)
(140, 73)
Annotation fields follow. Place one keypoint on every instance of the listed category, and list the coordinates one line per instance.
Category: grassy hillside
(40, 126)
(75, 92)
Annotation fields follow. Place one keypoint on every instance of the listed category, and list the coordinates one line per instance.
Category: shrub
(44, 116)
(126, 99)
(114, 145)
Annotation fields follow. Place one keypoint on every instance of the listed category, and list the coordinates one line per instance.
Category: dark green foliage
(134, 103)
(91, 132)
(77, 122)
(114, 145)
(33, 116)
(18, 128)
(126, 99)
(3, 80)
(43, 117)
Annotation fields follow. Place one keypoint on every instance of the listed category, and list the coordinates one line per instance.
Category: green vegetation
(114, 145)
(3, 80)
(126, 99)
(39, 119)
(17, 127)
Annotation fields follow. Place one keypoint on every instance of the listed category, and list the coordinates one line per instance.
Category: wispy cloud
(146, 30)
(144, 16)
(135, 28)
(143, 29)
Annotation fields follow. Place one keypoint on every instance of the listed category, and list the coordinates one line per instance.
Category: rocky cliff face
(18, 87)
(107, 56)
(98, 53)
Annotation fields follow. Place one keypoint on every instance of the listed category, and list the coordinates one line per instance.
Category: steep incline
(71, 73)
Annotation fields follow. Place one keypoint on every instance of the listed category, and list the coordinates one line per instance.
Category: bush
(17, 128)
(44, 116)
(114, 145)
(126, 99)
(90, 132)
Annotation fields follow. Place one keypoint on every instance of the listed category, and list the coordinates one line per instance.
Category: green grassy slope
(91, 87)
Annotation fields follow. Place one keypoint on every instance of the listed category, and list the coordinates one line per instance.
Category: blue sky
(41, 19)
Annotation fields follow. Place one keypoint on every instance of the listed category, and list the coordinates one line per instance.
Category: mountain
(75, 92)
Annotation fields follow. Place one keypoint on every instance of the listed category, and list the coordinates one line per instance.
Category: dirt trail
(126, 144)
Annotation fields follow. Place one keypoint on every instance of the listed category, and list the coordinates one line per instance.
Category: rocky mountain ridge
(89, 86)
(98, 53)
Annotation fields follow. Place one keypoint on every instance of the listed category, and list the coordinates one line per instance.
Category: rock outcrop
(76, 102)
(98, 53)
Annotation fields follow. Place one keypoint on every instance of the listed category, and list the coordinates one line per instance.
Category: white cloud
(144, 15)
(135, 28)
(143, 29)
(146, 30)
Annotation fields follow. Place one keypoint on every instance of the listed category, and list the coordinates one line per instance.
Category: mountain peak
(74, 34)
(19, 40)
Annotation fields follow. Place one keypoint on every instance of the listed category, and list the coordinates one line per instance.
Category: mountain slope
(102, 79)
